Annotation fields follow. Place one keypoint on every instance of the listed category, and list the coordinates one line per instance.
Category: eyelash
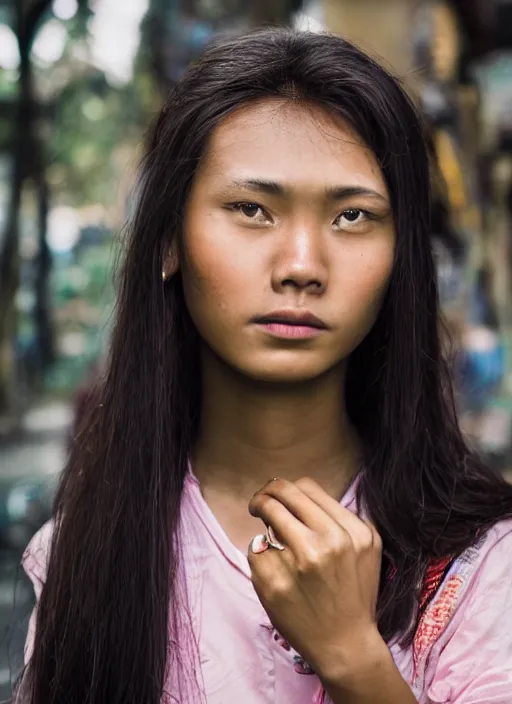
(239, 204)
(367, 215)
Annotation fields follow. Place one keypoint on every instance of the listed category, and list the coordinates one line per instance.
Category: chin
(280, 373)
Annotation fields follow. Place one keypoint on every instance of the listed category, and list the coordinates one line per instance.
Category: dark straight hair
(111, 589)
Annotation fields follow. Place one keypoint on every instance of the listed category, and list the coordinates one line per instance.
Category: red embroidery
(436, 618)
(433, 577)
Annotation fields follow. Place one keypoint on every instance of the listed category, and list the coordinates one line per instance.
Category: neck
(253, 431)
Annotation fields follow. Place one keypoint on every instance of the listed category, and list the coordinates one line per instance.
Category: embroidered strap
(437, 568)
(434, 574)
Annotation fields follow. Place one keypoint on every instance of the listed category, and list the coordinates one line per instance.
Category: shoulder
(489, 567)
(491, 558)
(36, 556)
(465, 636)
(481, 571)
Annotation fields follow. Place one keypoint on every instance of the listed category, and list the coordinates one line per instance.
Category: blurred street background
(79, 82)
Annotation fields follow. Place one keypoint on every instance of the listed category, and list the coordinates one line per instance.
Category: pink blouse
(462, 652)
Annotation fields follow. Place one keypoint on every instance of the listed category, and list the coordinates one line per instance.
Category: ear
(170, 262)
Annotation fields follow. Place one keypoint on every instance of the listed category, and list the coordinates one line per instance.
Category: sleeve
(475, 664)
(35, 564)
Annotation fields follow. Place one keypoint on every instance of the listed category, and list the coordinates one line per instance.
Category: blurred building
(456, 57)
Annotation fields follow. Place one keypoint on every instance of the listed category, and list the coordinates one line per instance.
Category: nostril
(310, 283)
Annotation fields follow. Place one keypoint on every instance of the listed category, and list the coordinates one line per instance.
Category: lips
(295, 317)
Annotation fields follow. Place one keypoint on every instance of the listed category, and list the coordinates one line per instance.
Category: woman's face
(288, 242)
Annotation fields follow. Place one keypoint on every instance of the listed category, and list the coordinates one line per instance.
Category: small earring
(164, 275)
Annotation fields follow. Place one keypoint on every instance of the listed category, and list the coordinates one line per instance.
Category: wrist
(352, 664)
(367, 675)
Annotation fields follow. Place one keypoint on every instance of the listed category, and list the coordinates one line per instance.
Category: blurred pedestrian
(273, 500)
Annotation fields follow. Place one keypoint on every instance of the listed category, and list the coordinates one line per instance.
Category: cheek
(210, 267)
(211, 281)
(374, 279)
(371, 271)
(363, 289)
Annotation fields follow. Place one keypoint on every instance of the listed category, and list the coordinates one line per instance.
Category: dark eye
(250, 210)
(351, 215)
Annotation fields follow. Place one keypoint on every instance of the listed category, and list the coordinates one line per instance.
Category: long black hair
(102, 630)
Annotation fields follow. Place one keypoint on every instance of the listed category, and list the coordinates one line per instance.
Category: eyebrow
(274, 188)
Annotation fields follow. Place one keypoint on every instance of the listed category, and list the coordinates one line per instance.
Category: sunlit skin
(289, 212)
(275, 220)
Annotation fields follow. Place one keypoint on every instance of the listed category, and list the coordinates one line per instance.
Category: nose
(300, 262)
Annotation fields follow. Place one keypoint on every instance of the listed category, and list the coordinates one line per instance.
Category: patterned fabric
(300, 665)
(433, 578)
(434, 620)
(462, 652)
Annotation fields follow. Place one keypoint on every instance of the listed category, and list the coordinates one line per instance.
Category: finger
(288, 529)
(377, 540)
(361, 531)
(268, 569)
(297, 503)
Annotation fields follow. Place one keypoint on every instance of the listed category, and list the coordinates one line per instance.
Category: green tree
(27, 160)
(29, 166)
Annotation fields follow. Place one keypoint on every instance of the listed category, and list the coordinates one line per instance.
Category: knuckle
(278, 588)
(308, 561)
(259, 500)
(305, 483)
(366, 541)
(313, 558)
(265, 500)
(369, 541)
(338, 543)
(253, 504)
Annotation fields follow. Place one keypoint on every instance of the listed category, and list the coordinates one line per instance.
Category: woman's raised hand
(320, 592)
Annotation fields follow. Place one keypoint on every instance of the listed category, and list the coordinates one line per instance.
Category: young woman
(276, 381)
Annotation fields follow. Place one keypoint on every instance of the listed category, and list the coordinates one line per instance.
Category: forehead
(290, 142)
